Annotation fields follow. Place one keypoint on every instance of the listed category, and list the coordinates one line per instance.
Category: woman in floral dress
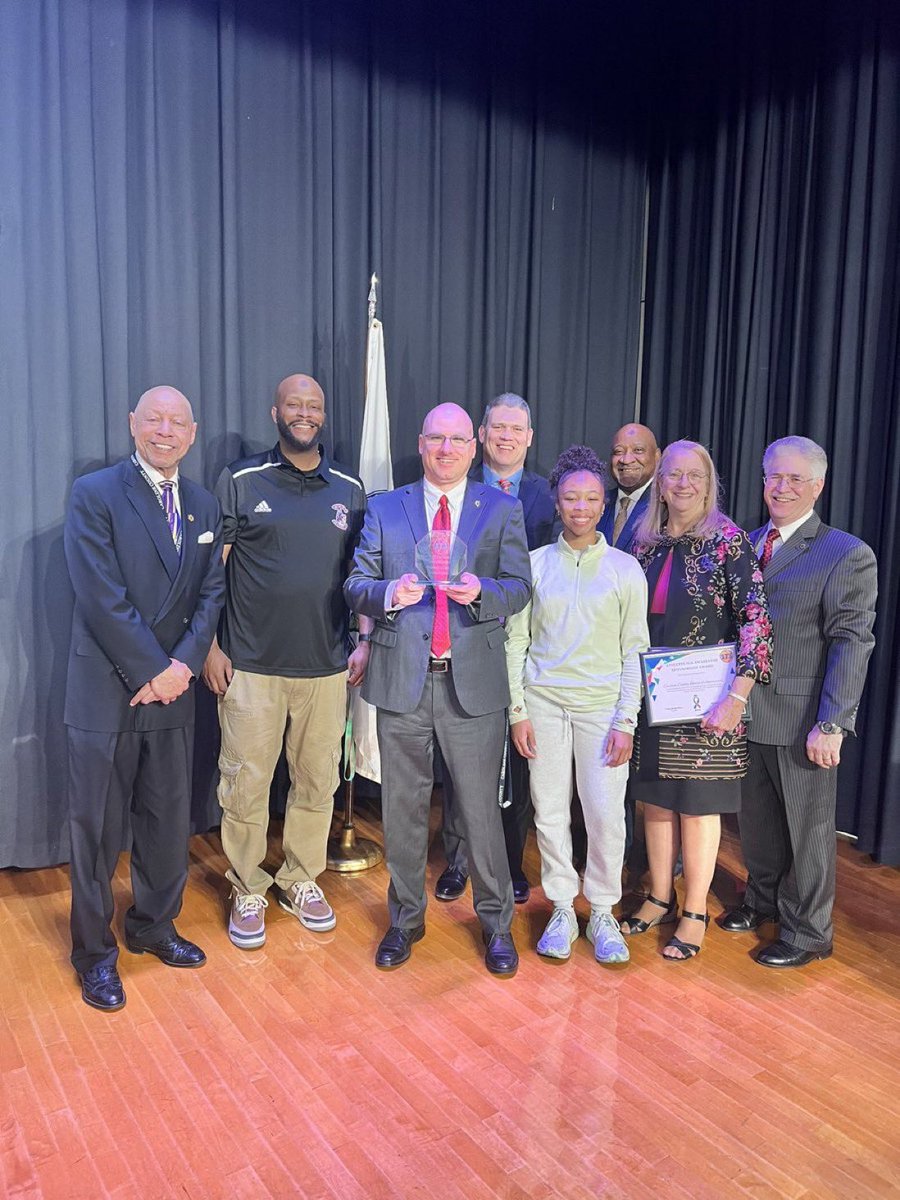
(705, 587)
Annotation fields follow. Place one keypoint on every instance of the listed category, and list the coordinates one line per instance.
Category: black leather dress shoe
(451, 884)
(783, 954)
(174, 951)
(743, 919)
(396, 946)
(521, 890)
(102, 988)
(501, 957)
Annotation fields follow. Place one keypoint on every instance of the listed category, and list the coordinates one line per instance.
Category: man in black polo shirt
(291, 522)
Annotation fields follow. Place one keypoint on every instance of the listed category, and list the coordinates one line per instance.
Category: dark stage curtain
(195, 192)
(774, 289)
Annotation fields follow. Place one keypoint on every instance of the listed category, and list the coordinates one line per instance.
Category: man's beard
(291, 440)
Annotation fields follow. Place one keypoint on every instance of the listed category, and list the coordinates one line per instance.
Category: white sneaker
(562, 930)
(605, 936)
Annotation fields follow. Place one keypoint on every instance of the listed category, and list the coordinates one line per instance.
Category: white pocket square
(205, 538)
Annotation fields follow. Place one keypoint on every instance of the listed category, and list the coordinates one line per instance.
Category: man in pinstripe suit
(822, 586)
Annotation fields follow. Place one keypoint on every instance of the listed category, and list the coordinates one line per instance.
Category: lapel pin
(190, 516)
(478, 504)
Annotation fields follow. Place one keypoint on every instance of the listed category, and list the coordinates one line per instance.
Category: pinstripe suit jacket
(821, 584)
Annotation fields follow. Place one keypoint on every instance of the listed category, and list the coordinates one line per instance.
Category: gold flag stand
(347, 852)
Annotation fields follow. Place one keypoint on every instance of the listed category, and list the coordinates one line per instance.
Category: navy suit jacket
(538, 506)
(492, 527)
(608, 520)
(137, 603)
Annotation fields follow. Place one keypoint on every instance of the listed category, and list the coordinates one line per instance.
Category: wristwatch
(829, 727)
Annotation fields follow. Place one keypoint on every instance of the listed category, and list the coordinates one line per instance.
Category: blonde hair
(711, 520)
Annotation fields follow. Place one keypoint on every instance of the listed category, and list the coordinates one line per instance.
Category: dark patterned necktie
(771, 538)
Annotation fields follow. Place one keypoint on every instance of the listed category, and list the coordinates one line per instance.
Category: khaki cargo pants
(257, 715)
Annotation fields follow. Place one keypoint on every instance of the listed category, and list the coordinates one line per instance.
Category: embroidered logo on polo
(262, 507)
(341, 513)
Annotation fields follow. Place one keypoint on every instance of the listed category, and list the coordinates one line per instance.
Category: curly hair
(577, 458)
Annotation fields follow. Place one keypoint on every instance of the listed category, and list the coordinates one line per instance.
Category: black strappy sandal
(688, 949)
(636, 925)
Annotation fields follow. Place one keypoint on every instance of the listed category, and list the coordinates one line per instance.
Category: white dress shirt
(785, 533)
(157, 479)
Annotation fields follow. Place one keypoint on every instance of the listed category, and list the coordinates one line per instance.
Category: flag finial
(372, 301)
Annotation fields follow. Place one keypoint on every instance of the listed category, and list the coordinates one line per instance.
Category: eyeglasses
(776, 479)
(434, 441)
(694, 477)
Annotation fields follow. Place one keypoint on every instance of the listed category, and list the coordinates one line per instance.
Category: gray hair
(811, 451)
(506, 400)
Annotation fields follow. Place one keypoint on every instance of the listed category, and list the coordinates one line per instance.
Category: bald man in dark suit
(506, 433)
(144, 550)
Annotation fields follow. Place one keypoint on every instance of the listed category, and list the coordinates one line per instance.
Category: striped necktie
(172, 516)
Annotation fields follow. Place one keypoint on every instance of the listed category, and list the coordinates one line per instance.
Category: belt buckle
(439, 666)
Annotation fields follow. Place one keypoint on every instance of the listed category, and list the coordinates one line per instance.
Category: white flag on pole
(375, 450)
(377, 476)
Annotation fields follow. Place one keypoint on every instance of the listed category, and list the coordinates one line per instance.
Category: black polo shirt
(292, 535)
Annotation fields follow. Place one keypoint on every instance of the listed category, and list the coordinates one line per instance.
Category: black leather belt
(439, 666)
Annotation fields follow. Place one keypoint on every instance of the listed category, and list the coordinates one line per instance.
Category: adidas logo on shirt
(262, 507)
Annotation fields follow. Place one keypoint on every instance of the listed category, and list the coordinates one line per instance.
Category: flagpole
(346, 852)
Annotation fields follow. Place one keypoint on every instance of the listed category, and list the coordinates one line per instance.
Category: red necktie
(504, 484)
(771, 538)
(440, 556)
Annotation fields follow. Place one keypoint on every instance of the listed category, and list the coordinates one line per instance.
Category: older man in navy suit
(821, 584)
(633, 456)
(437, 672)
(144, 550)
(506, 432)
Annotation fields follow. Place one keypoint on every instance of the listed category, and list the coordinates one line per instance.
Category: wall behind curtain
(196, 191)
(774, 289)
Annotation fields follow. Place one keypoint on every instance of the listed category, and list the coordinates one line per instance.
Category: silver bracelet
(735, 696)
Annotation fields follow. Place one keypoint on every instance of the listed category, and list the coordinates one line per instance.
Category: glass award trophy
(440, 558)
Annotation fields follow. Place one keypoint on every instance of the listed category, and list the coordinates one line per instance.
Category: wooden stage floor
(299, 1071)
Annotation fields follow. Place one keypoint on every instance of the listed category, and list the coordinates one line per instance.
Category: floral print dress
(714, 593)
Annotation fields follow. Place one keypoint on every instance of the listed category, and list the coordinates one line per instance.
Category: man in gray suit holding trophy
(821, 584)
(439, 565)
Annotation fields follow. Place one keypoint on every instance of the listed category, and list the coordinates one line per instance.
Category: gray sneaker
(562, 930)
(309, 906)
(605, 936)
(247, 923)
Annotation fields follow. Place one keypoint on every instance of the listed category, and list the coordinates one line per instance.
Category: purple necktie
(168, 499)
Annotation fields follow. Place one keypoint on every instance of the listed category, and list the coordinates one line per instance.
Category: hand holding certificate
(684, 683)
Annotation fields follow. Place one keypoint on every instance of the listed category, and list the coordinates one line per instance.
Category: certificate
(683, 683)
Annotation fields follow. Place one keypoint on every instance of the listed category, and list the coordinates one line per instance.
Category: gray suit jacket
(821, 584)
(492, 526)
